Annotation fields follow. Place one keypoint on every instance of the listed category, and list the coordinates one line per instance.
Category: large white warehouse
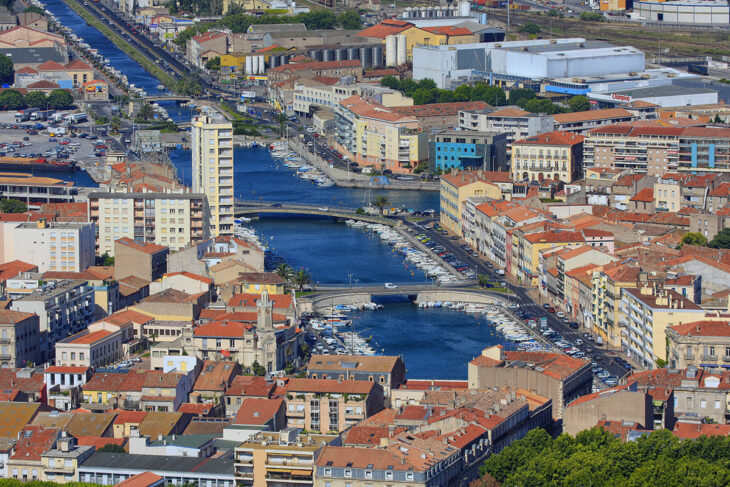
(704, 12)
(452, 65)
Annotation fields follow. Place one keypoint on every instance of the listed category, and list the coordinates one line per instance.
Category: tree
(694, 238)
(493, 95)
(146, 112)
(301, 278)
(520, 96)
(6, 69)
(189, 85)
(721, 240)
(112, 448)
(537, 105)
(36, 99)
(463, 93)
(258, 369)
(530, 28)
(592, 17)
(579, 103)
(60, 99)
(284, 271)
(349, 20)
(11, 100)
(483, 280)
(391, 82)
(12, 206)
(115, 124)
(427, 84)
(422, 96)
(281, 118)
(381, 201)
(213, 64)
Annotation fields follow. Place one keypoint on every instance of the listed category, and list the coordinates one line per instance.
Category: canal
(435, 343)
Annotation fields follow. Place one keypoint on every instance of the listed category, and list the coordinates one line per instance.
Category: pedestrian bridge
(248, 208)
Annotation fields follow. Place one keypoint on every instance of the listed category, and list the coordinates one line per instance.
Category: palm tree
(301, 278)
(483, 280)
(381, 201)
(146, 111)
(285, 271)
(115, 124)
(281, 118)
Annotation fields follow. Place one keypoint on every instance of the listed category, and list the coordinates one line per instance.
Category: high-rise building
(212, 143)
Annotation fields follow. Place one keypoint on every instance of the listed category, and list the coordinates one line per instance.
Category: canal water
(435, 343)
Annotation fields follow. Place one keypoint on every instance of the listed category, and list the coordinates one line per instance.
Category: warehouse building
(704, 12)
(516, 61)
(663, 96)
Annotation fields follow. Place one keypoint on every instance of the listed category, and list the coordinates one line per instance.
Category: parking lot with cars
(53, 140)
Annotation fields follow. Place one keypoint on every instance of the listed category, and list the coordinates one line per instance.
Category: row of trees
(300, 277)
(240, 22)
(424, 92)
(57, 99)
(720, 241)
(597, 458)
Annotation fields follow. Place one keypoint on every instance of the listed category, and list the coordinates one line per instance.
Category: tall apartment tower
(212, 146)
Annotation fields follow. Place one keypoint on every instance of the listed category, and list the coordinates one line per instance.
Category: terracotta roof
(367, 435)
(555, 365)
(196, 277)
(51, 65)
(198, 408)
(509, 112)
(33, 442)
(58, 369)
(85, 338)
(462, 178)
(706, 328)
(448, 30)
(128, 315)
(222, 329)
(146, 247)
(382, 363)
(99, 442)
(207, 36)
(144, 479)
(128, 417)
(385, 28)
(215, 376)
(317, 66)
(257, 411)
(169, 296)
(106, 381)
(26, 70)
(245, 300)
(435, 109)
(8, 316)
(243, 385)
(329, 386)
(367, 108)
(554, 237)
(590, 115)
(77, 64)
(646, 195)
(552, 138)
(650, 301)
(379, 73)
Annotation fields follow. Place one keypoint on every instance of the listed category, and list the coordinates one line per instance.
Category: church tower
(264, 310)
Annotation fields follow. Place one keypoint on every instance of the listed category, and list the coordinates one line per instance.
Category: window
(409, 475)
(348, 473)
(368, 474)
(717, 404)
(328, 472)
(389, 475)
(703, 404)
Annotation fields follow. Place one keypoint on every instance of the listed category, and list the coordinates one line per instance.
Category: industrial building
(465, 149)
(616, 81)
(704, 12)
(663, 96)
(450, 66)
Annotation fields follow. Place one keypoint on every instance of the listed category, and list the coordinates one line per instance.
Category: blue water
(259, 177)
(434, 343)
(79, 178)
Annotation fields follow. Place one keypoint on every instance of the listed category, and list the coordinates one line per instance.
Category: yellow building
(212, 148)
(556, 156)
(645, 314)
(456, 187)
(433, 36)
(60, 464)
(233, 63)
(246, 5)
(613, 5)
(526, 248)
(667, 195)
(607, 285)
(276, 457)
(258, 282)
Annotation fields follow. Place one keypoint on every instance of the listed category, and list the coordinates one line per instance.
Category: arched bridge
(246, 208)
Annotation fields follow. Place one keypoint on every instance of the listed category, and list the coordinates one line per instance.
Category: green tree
(520, 96)
(423, 96)
(349, 20)
(284, 271)
(427, 84)
(6, 69)
(112, 448)
(189, 85)
(579, 103)
(258, 369)
(11, 100)
(463, 92)
(35, 10)
(694, 238)
(281, 119)
(381, 202)
(115, 124)
(592, 17)
(60, 99)
(146, 112)
(213, 64)
(721, 240)
(408, 86)
(36, 99)
(483, 280)
(530, 28)
(12, 206)
(391, 82)
(493, 95)
(543, 106)
(445, 96)
(301, 278)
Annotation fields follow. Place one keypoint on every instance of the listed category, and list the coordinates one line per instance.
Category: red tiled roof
(282, 301)
(646, 195)
(128, 315)
(552, 138)
(256, 411)
(77, 64)
(125, 417)
(224, 329)
(99, 442)
(448, 30)
(385, 28)
(144, 479)
(695, 430)
(555, 365)
(89, 338)
(58, 369)
(207, 36)
(250, 386)
(706, 328)
(590, 115)
(202, 408)
(146, 247)
(554, 237)
(43, 84)
(318, 66)
(203, 279)
(33, 442)
(8, 316)
(51, 65)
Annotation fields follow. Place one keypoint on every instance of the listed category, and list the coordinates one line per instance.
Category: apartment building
(645, 314)
(371, 134)
(704, 149)
(467, 150)
(19, 339)
(99, 345)
(515, 122)
(212, 149)
(63, 308)
(704, 343)
(35, 190)
(583, 122)
(143, 260)
(578, 257)
(52, 246)
(607, 285)
(329, 405)
(280, 457)
(387, 371)
(526, 247)
(551, 156)
(640, 148)
(458, 186)
(172, 219)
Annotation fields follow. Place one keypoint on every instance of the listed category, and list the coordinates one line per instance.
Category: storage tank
(377, 56)
(328, 55)
(366, 57)
(391, 51)
(401, 52)
(249, 64)
(285, 59)
(464, 8)
(483, 19)
(273, 61)
(262, 65)
(340, 54)
(352, 53)
(315, 54)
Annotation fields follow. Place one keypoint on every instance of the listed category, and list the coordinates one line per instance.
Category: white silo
(249, 64)
(464, 8)
(401, 52)
(391, 51)
(262, 65)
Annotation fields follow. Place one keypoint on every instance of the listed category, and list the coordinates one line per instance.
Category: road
(520, 296)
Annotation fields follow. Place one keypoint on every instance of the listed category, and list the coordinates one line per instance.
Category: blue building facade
(463, 149)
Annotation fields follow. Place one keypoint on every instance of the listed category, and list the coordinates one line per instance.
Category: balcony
(726, 358)
(708, 358)
(689, 357)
